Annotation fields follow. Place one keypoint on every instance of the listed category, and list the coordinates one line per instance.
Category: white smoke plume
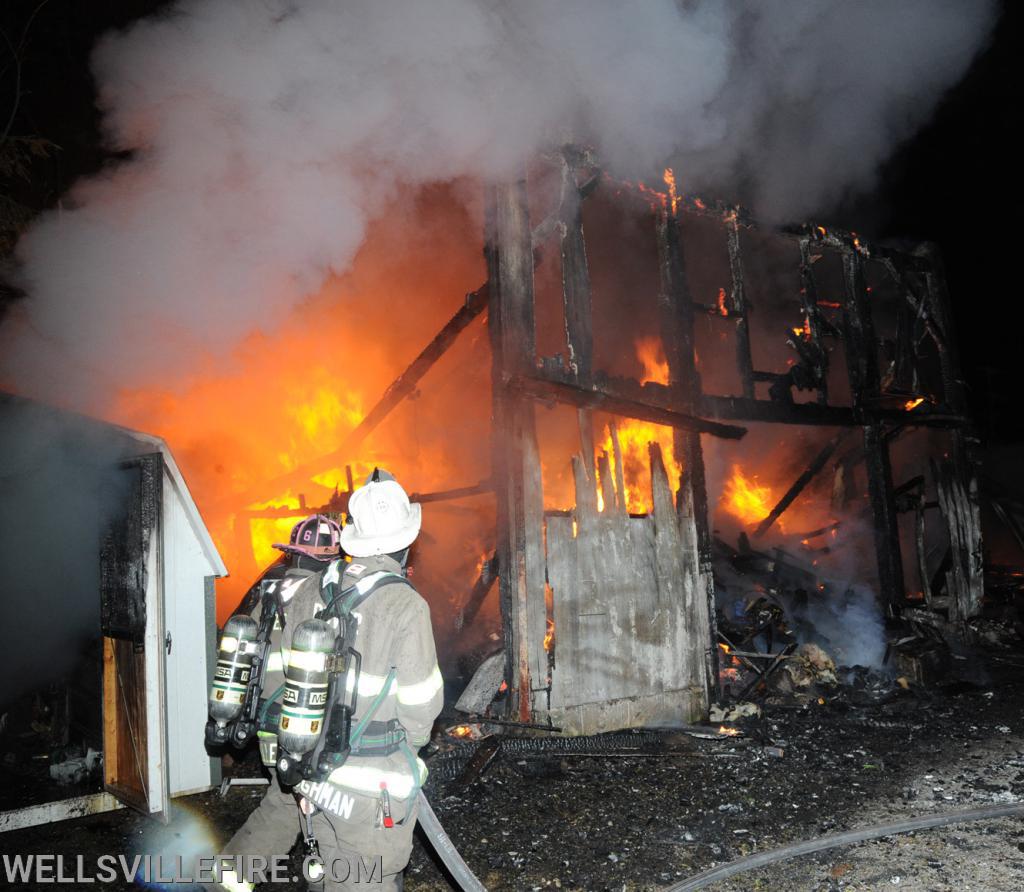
(265, 134)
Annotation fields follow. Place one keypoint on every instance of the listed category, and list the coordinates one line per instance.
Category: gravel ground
(628, 820)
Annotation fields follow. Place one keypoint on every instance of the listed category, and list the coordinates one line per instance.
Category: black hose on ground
(834, 840)
(446, 849)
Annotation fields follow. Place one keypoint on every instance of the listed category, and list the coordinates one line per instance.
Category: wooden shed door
(131, 620)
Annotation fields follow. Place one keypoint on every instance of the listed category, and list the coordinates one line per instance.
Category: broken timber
(639, 406)
(817, 463)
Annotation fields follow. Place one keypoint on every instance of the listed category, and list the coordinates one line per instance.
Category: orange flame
(723, 309)
(910, 405)
(745, 499)
(726, 731)
(549, 637)
(652, 357)
(670, 180)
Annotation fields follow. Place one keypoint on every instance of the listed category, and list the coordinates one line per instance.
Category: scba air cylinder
(234, 668)
(305, 692)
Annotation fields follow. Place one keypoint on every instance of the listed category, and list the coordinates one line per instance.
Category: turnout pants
(358, 852)
(271, 830)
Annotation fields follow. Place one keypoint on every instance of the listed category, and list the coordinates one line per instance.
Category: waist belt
(380, 739)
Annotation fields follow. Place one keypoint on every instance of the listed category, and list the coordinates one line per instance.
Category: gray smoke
(266, 133)
(59, 490)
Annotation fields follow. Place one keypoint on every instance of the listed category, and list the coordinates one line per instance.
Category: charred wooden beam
(585, 420)
(481, 588)
(460, 492)
(817, 463)
(734, 408)
(762, 675)
(575, 278)
(865, 382)
(541, 388)
(922, 552)
(676, 309)
(941, 312)
(516, 459)
(965, 583)
(821, 531)
(809, 298)
(620, 479)
(740, 306)
(883, 509)
(576, 301)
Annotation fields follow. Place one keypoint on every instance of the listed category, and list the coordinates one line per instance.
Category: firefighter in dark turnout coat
(273, 827)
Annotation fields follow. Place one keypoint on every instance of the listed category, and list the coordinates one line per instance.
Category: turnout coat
(399, 672)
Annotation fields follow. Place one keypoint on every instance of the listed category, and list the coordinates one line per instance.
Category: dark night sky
(955, 183)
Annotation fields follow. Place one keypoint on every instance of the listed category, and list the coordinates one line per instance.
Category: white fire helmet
(382, 520)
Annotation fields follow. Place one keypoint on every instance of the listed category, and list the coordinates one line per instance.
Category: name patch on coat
(328, 797)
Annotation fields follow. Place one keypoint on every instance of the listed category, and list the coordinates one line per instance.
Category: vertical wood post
(520, 543)
(865, 382)
(676, 308)
(809, 298)
(740, 306)
(579, 335)
(961, 508)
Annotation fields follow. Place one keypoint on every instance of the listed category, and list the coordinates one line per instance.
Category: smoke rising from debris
(264, 134)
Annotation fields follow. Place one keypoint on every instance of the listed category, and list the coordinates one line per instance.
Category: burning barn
(693, 419)
(109, 573)
(806, 358)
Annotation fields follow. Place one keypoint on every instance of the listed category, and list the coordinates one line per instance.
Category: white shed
(153, 585)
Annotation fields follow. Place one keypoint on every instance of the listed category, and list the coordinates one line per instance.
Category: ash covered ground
(646, 811)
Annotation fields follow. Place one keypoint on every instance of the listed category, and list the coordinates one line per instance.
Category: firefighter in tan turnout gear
(355, 771)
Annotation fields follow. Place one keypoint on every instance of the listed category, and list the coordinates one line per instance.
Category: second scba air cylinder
(306, 681)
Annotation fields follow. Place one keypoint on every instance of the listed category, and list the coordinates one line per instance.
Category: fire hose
(849, 837)
(446, 849)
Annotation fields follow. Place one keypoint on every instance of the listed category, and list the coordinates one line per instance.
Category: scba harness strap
(323, 685)
(369, 738)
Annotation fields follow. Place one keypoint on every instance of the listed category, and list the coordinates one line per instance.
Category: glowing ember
(804, 331)
(745, 499)
(729, 674)
(910, 405)
(733, 660)
(670, 180)
(461, 731)
(723, 309)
